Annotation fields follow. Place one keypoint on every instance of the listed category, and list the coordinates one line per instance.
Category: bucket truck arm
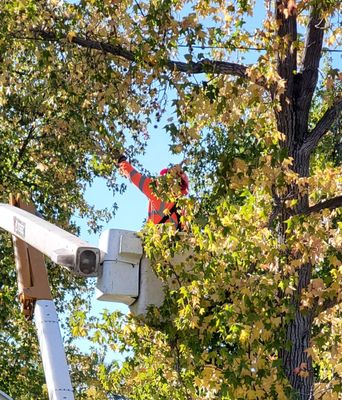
(32, 238)
(62, 247)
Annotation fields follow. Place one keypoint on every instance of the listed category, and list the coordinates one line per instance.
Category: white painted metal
(52, 351)
(126, 275)
(150, 289)
(130, 248)
(61, 246)
(4, 396)
(118, 279)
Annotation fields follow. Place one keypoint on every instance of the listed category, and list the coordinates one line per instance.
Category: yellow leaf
(244, 335)
(70, 36)
(338, 369)
(317, 284)
(331, 40)
(251, 394)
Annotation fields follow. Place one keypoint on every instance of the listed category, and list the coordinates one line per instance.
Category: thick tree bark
(297, 363)
(293, 120)
(322, 127)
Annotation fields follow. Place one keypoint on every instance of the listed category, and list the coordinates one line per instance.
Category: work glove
(121, 158)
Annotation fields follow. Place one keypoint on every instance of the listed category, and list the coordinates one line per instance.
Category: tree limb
(115, 50)
(204, 66)
(308, 77)
(286, 66)
(287, 57)
(313, 49)
(23, 147)
(322, 127)
(327, 304)
(330, 204)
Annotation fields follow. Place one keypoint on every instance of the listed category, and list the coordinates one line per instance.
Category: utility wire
(324, 49)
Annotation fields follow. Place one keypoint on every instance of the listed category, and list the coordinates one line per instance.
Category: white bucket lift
(4, 396)
(32, 238)
(118, 279)
(125, 275)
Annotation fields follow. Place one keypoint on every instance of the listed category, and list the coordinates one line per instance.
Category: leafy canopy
(82, 81)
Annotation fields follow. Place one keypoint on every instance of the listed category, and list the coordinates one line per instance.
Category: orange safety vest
(158, 210)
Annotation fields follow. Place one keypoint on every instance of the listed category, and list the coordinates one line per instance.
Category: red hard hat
(164, 171)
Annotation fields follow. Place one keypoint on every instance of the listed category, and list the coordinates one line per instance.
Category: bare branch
(286, 16)
(330, 204)
(313, 47)
(115, 50)
(308, 77)
(322, 127)
(204, 66)
(209, 66)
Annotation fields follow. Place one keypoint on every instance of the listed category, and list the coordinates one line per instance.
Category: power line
(324, 49)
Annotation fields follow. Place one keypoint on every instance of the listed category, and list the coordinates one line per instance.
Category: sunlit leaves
(69, 106)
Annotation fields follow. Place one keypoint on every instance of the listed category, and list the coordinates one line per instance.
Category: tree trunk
(292, 121)
(296, 362)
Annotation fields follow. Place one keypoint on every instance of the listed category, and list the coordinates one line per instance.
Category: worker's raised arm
(141, 181)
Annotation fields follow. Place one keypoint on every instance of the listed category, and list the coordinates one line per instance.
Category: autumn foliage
(254, 310)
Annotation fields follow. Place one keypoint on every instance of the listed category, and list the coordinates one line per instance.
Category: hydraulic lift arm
(33, 237)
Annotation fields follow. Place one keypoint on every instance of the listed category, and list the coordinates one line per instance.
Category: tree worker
(159, 211)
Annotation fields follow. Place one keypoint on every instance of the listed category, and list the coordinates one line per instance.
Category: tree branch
(204, 66)
(286, 17)
(327, 304)
(23, 147)
(115, 50)
(308, 77)
(313, 48)
(322, 127)
(330, 204)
